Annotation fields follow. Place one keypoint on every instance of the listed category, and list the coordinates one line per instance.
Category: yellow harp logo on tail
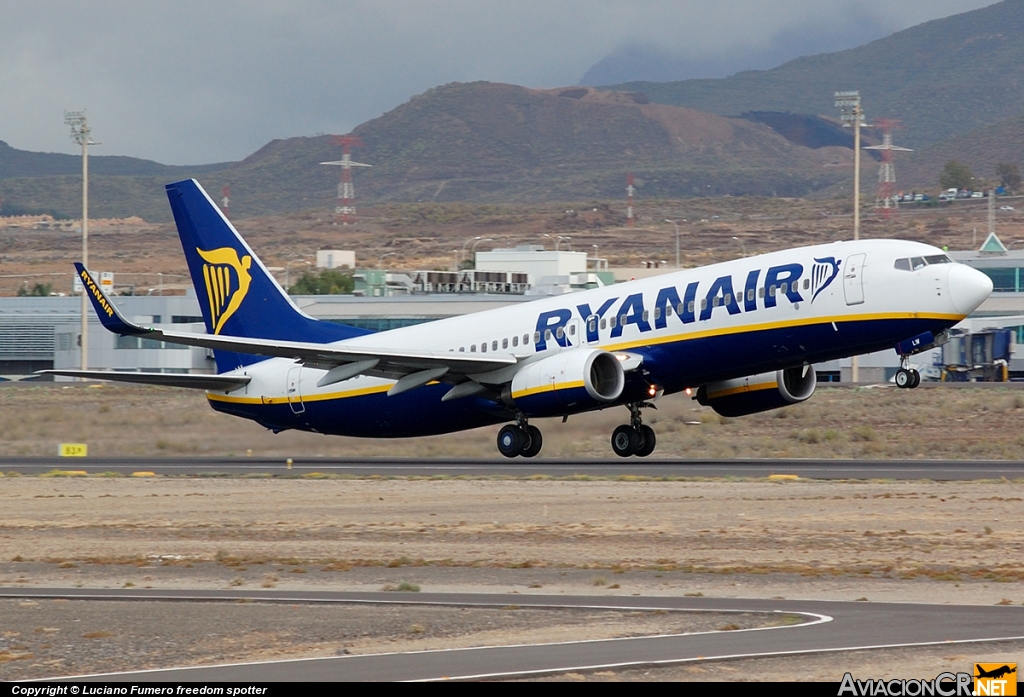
(224, 289)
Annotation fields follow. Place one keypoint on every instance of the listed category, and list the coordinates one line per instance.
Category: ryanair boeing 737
(743, 334)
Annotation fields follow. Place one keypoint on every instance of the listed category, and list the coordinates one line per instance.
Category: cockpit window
(915, 263)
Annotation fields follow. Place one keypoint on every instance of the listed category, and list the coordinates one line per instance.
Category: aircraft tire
(915, 379)
(625, 441)
(511, 441)
(535, 444)
(649, 441)
(903, 378)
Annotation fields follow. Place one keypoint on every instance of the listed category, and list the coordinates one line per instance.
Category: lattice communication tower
(345, 208)
(886, 201)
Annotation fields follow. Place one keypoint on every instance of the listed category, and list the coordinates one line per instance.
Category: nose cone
(968, 288)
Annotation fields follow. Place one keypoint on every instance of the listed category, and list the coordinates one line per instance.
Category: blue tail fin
(237, 294)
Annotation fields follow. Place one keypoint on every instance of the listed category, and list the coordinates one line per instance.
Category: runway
(941, 470)
(827, 627)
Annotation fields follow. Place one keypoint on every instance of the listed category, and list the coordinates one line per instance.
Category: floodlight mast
(852, 115)
(82, 134)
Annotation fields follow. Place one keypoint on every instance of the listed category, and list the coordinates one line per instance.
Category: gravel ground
(877, 541)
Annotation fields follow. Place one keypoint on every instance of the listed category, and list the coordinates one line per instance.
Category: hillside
(980, 149)
(943, 77)
(485, 142)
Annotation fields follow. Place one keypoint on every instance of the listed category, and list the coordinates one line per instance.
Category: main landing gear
(636, 437)
(519, 439)
(907, 378)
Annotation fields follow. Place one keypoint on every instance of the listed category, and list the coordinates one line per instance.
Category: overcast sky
(199, 81)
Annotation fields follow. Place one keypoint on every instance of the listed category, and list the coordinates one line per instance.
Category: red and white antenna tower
(629, 200)
(886, 199)
(346, 204)
(225, 199)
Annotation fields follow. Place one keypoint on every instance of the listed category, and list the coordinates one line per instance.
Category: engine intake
(575, 379)
(762, 392)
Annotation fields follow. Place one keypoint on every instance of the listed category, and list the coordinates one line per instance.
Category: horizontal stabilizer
(217, 383)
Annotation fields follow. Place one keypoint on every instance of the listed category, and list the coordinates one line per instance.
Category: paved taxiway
(814, 469)
(828, 627)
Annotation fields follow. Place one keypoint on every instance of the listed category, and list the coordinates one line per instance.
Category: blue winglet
(105, 310)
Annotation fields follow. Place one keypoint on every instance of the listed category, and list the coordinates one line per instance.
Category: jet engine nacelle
(762, 392)
(568, 380)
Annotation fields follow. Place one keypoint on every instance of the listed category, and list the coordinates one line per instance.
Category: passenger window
(668, 312)
(704, 304)
(483, 347)
(472, 349)
(679, 307)
(807, 283)
(750, 295)
(536, 337)
(462, 349)
(622, 320)
(902, 265)
(547, 335)
(611, 323)
(715, 302)
(559, 333)
(504, 343)
(657, 314)
(728, 298)
(690, 307)
(604, 323)
(784, 288)
(645, 315)
(760, 291)
(771, 291)
(494, 345)
(592, 326)
(515, 340)
(572, 330)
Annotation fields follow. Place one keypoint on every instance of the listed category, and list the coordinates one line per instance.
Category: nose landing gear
(907, 378)
(636, 437)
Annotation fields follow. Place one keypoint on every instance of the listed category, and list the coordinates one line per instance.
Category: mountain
(482, 142)
(941, 78)
(980, 149)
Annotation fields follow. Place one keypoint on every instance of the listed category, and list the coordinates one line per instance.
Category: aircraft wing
(341, 361)
(197, 382)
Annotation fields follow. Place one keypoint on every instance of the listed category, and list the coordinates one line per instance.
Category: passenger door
(853, 279)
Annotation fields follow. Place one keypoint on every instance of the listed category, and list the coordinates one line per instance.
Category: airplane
(742, 336)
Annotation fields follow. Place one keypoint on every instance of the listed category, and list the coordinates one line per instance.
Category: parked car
(1006, 208)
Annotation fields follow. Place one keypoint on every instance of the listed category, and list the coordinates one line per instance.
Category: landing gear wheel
(536, 441)
(915, 378)
(904, 378)
(625, 440)
(511, 441)
(649, 441)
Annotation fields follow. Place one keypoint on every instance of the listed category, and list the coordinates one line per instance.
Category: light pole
(287, 269)
(380, 261)
(472, 250)
(742, 246)
(466, 244)
(559, 241)
(677, 239)
(853, 115)
(82, 134)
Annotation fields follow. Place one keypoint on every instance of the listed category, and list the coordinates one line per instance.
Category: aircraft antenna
(886, 200)
(345, 208)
